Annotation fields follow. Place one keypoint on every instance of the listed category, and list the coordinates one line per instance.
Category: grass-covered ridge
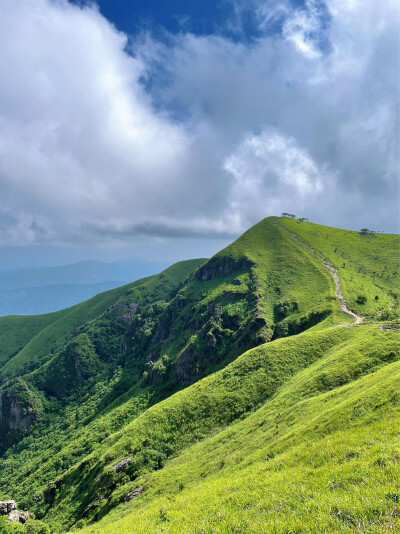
(208, 378)
(47, 332)
(368, 265)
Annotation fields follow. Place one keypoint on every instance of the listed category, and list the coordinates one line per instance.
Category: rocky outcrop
(16, 516)
(6, 507)
(164, 327)
(9, 508)
(134, 493)
(186, 367)
(128, 310)
(222, 266)
(122, 465)
(19, 410)
(390, 326)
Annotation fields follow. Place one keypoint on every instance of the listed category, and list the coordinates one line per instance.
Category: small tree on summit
(302, 219)
(290, 215)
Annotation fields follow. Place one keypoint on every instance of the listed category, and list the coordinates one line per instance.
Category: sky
(165, 129)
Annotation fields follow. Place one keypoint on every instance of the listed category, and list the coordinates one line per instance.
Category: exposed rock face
(222, 266)
(126, 316)
(18, 517)
(134, 493)
(186, 367)
(15, 516)
(164, 328)
(18, 411)
(122, 465)
(6, 507)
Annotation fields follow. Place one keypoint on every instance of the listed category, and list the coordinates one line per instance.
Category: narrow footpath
(332, 271)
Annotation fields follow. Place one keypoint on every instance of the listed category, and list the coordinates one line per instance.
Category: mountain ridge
(176, 361)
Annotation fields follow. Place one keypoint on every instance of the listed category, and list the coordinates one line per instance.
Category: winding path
(332, 271)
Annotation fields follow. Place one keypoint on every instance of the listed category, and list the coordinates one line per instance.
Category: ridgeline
(254, 392)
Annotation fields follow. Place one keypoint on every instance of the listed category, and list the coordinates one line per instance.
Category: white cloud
(272, 173)
(302, 27)
(79, 140)
(85, 155)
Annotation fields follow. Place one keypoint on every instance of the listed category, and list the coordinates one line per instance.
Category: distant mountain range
(41, 290)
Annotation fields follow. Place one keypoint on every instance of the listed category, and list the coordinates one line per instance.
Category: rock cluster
(17, 411)
(6, 507)
(222, 266)
(14, 515)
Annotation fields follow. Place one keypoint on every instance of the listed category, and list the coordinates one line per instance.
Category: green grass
(295, 435)
(17, 330)
(368, 265)
(52, 331)
(287, 376)
(41, 335)
(283, 270)
(316, 457)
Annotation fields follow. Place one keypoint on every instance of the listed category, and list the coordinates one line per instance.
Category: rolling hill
(253, 392)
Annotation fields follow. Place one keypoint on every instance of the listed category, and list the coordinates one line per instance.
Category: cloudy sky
(165, 129)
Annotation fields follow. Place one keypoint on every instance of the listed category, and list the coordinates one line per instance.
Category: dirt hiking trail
(332, 271)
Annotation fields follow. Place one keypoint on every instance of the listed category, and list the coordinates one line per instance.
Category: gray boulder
(18, 517)
(122, 465)
(134, 493)
(7, 506)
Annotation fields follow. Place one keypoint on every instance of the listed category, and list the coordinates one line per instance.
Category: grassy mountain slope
(190, 381)
(368, 265)
(56, 327)
(42, 333)
(320, 455)
(17, 331)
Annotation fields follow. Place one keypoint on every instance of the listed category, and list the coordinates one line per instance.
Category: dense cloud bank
(107, 138)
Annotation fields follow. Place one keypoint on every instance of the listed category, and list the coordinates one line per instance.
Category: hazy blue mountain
(41, 290)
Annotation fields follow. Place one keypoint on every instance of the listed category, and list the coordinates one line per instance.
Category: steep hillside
(63, 361)
(164, 391)
(54, 328)
(321, 453)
